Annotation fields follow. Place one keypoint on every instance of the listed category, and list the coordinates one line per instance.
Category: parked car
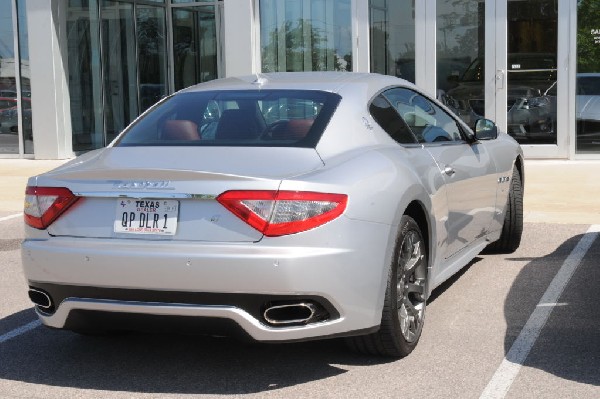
(588, 111)
(531, 103)
(7, 102)
(8, 106)
(336, 216)
(9, 116)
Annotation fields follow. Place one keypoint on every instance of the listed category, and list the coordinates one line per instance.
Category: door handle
(449, 170)
(500, 79)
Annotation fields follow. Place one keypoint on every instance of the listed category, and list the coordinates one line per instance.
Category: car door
(467, 168)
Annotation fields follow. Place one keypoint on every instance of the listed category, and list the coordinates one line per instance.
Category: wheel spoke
(410, 308)
(416, 287)
(410, 265)
(415, 258)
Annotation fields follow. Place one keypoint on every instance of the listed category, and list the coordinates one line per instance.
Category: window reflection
(85, 84)
(14, 76)
(151, 54)
(588, 77)
(392, 38)
(532, 44)
(460, 57)
(194, 45)
(117, 66)
(313, 35)
(118, 61)
(27, 131)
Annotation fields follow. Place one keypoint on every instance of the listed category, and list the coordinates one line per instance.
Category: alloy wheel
(410, 288)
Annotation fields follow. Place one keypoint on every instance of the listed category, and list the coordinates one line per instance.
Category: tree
(588, 36)
(306, 49)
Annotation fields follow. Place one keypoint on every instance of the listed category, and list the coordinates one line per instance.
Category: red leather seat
(294, 129)
(180, 129)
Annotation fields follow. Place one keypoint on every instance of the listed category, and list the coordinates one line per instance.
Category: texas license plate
(146, 216)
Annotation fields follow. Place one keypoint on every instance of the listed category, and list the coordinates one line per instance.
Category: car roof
(335, 82)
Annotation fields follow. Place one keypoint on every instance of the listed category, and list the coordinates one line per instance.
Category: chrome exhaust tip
(41, 299)
(290, 313)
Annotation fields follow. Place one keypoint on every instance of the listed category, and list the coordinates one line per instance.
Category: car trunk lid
(123, 189)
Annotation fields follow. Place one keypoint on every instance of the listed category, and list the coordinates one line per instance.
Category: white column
(51, 114)
(425, 46)
(242, 55)
(498, 74)
(360, 36)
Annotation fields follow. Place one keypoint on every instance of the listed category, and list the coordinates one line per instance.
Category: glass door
(195, 47)
(528, 79)
(531, 71)
(587, 97)
(461, 57)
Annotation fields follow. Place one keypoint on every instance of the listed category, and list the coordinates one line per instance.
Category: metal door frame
(565, 75)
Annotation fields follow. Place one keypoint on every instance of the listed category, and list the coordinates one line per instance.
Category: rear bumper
(93, 314)
(344, 273)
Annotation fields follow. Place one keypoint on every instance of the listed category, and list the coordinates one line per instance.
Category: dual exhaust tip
(289, 314)
(42, 300)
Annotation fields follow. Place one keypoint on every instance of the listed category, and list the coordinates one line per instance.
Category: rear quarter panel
(380, 183)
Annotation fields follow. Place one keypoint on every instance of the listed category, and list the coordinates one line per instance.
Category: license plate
(146, 216)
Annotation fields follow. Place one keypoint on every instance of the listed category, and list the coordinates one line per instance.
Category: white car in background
(588, 111)
(320, 205)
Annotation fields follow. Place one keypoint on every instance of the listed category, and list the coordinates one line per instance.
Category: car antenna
(260, 80)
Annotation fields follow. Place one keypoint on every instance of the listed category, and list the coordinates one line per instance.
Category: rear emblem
(143, 185)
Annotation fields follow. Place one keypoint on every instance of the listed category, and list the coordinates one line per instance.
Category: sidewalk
(14, 174)
(562, 191)
(555, 191)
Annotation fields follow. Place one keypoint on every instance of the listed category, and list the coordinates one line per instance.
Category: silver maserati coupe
(276, 207)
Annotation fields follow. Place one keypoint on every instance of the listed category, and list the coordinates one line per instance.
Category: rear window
(258, 118)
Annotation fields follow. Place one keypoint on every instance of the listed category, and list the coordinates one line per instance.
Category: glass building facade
(130, 54)
(16, 138)
(90, 67)
(313, 35)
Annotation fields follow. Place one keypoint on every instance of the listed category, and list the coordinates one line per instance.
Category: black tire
(512, 229)
(405, 298)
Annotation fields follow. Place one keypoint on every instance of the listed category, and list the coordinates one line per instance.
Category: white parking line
(509, 368)
(18, 331)
(2, 219)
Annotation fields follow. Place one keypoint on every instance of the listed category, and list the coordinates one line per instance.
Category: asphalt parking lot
(524, 325)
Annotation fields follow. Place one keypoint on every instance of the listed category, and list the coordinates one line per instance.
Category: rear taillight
(44, 204)
(278, 213)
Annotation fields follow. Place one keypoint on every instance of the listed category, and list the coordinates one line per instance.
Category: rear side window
(428, 122)
(258, 118)
(387, 117)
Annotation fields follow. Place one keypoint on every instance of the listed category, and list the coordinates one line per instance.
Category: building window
(118, 60)
(85, 79)
(588, 78)
(152, 54)
(194, 45)
(119, 65)
(461, 57)
(392, 37)
(308, 35)
(532, 71)
(16, 135)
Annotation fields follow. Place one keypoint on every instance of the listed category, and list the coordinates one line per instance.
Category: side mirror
(485, 129)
